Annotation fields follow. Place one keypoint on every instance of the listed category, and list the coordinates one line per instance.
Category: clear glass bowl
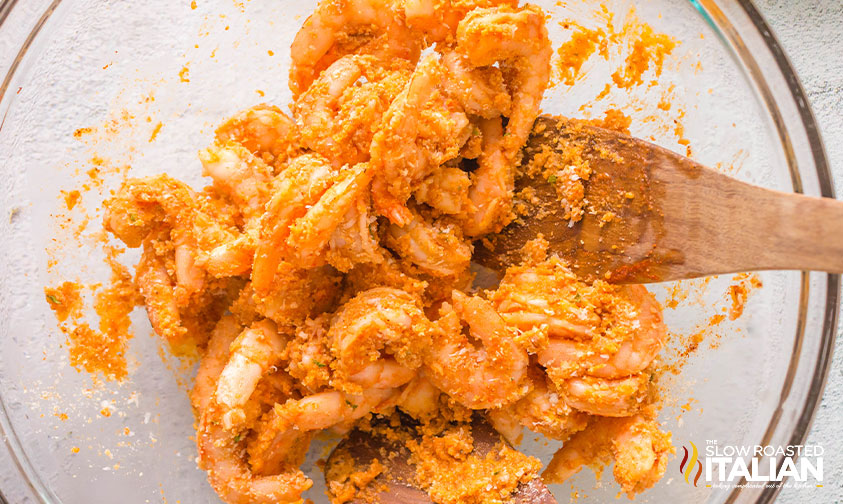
(70, 64)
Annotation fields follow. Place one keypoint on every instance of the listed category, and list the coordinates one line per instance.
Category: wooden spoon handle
(732, 226)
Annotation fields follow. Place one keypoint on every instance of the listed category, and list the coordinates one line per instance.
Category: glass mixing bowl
(151, 81)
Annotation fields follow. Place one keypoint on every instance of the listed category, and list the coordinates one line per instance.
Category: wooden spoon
(653, 215)
(396, 484)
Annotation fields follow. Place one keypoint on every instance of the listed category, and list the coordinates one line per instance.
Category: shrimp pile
(323, 274)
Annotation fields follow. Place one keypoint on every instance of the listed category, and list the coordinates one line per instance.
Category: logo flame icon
(687, 466)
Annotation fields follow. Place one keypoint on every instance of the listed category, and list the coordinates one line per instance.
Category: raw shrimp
(437, 20)
(294, 295)
(156, 205)
(481, 91)
(542, 410)
(282, 428)
(231, 477)
(220, 450)
(548, 296)
(254, 353)
(336, 21)
(445, 190)
(492, 184)
(422, 129)
(373, 323)
(355, 239)
(338, 114)
(263, 130)
(613, 359)
(490, 377)
(240, 175)
(437, 248)
(636, 444)
(516, 39)
(600, 396)
(301, 184)
(311, 233)
(419, 398)
(383, 374)
(157, 289)
(213, 362)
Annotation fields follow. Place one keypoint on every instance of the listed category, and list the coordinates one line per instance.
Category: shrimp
(492, 184)
(383, 374)
(255, 351)
(333, 22)
(166, 210)
(490, 377)
(229, 474)
(481, 91)
(264, 130)
(294, 295)
(421, 130)
(542, 410)
(438, 19)
(355, 239)
(340, 110)
(283, 427)
(374, 322)
(436, 248)
(548, 296)
(238, 174)
(300, 185)
(182, 318)
(162, 307)
(517, 39)
(310, 234)
(445, 190)
(419, 398)
(213, 362)
(600, 396)
(597, 330)
(637, 445)
(622, 341)
(220, 450)
(613, 359)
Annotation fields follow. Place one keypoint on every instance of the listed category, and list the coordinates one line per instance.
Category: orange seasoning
(571, 55)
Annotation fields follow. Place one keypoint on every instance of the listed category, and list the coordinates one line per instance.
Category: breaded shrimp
(517, 39)
(374, 324)
(255, 352)
(437, 248)
(422, 129)
(263, 130)
(300, 185)
(492, 376)
(600, 396)
(315, 46)
(637, 445)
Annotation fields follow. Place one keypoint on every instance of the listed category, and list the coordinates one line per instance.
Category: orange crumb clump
(102, 351)
(448, 470)
(739, 293)
(571, 55)
(65, 300)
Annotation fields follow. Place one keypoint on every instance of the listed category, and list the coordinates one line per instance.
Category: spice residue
(451, 473)
(739, 292)
(104, 350)
(641, 50)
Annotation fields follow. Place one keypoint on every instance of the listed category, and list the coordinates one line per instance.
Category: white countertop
(811, 32)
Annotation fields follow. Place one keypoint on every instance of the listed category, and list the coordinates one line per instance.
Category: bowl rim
(711, 13)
